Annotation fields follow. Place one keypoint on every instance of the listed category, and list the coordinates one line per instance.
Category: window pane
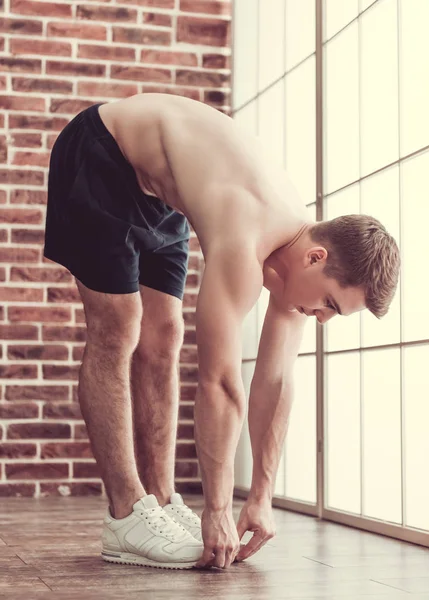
(414, 80)
(343, 332)
(415, 217)
(416, 439)
(249, 335)
(308, 343)
(381, 440)
(364, 4)
(341, 110)
(379, 87)
(243, 463)
(271, 41)
(342, 432)
(245, 51)
(301, 129)
(263, 301)
(271, 123)
(337, 14)
(302, 435)
(380, 199)
(247, 118)
(300, 31)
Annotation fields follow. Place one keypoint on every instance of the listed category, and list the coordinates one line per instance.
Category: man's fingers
(241, 528)
(251, 547)
(206, 557)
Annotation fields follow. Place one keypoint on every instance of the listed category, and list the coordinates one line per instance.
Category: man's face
(310, 291)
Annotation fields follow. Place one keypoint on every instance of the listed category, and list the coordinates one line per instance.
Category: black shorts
(100, 225)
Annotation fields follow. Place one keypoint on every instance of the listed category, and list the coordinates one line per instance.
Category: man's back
(199, 161)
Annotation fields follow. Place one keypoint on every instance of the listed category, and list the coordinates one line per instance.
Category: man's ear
(316, 254)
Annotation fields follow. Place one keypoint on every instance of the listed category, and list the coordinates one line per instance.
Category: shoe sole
(126, 558)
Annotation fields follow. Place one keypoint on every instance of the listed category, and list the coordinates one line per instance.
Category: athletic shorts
(101, 226)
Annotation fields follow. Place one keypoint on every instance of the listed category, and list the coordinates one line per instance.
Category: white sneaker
(184, 515)
(149, 537)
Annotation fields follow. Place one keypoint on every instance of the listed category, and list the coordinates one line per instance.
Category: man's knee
(161, 340)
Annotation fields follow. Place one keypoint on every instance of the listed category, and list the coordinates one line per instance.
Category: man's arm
(231, 285)
(271, 395)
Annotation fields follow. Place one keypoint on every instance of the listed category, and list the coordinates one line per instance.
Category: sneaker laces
(160, 520)
(188, 514)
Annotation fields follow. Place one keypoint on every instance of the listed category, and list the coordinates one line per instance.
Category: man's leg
(113, 323)
(155, 391)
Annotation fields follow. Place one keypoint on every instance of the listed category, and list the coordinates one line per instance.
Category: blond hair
(361, 253)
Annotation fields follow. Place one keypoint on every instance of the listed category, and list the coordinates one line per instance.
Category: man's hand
(256, 516)
(220, 538)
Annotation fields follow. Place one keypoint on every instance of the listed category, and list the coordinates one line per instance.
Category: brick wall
(57, 58)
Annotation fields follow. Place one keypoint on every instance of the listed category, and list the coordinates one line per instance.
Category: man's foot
(181, 513)
(150, 538)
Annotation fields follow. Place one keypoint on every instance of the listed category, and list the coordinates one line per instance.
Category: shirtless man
(125, 179)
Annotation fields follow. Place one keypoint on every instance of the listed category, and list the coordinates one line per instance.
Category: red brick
(78, 352)
(19, 254)
(186, 411)
(188, 373)
(3, 149)
(210, 7)
(3, 196)
(37, 392)
(2, 313)
(106, 90)
(190, 300)
(36, 122)
(24, 26)
(2, 274)
(2, 121)
(46, 86)
(4, 235)
(28, 196)
(185, 450)
(192, 280)
(189, 318)
(209, 32)
(151, 3)
(19, 410)
(185, 469)
(75, 68)
(192, 93)
(26, 140)
(71, 106)
(19, 332)
(41, 9)
(216, 97)
(80, 431)
(44, 47)
(165, 57)
(60, 410)
(28, 65)
(18, 371)
(106, 52)
(141, 73)
(202, 78)
(61, 372)
(22, 103)
(215, 61)
(50, 140)
(20, 215)
(15, 450)
(77, 30)
(11, 294)
(37, 351)
(85, 470)
(188, 355)
(42, 314)
(3, 82)
(42, 430)
(21, 176)
(190, 336)
(17, 490)
(160, 19)
(139, 35)
(84, 488)
(33, 159)
(106, 13)
(194, 245)
(2, 44)
(56, 333)
(55, 275)
(28, 236)
(69, 294)
(66, 450)
(36, 470)
(80, 315)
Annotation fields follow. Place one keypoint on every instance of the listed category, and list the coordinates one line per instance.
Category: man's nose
(323, 317)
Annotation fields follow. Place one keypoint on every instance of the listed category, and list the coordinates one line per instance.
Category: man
(125, 179)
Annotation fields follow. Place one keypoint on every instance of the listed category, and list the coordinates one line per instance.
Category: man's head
(342, 265)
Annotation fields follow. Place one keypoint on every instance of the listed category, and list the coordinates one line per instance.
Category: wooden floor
(50, 548)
